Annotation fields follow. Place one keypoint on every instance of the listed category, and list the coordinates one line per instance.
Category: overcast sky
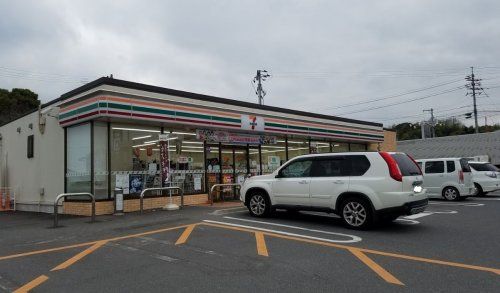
(321, 54)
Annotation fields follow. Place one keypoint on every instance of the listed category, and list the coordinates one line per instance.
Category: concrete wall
(455, 146)
(45, 170)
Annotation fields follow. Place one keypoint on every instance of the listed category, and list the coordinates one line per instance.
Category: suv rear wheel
(451, 193)
(356, 213)
(259, 205)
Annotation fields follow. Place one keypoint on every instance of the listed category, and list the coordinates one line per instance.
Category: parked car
(448, 178)
(361, 187)
(486, 177)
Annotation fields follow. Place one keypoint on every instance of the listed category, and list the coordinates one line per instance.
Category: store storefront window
(297, 147)
(213, 174)
(254, 160)
(134, 158)
(273, 156)
(320, 147)
(186, 161)
(100, 160)
(358, 147)
(339, 147)
(78, 158)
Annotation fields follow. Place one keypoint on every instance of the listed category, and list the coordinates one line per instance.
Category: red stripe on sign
(326, 135)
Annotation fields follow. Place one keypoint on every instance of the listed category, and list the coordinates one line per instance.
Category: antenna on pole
(261, 76)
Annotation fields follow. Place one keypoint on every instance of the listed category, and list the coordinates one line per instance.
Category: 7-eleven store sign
(252, 122)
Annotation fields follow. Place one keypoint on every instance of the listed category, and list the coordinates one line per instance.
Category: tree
(16, 103)
(447, 127)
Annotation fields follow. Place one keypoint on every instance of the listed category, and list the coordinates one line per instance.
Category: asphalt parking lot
(453, 246)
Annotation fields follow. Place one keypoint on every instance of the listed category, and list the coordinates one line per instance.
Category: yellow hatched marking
(388, 277)
(79, 256)
(185, 235)
(261, 244)
(32, 284)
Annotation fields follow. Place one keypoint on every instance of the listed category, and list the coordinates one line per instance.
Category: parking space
(453, 246)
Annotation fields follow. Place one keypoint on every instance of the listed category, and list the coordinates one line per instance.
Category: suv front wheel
(259, 205)
(356, 213)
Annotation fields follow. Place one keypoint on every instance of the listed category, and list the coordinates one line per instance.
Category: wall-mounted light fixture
(18, 130)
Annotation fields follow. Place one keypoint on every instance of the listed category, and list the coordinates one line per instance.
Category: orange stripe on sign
(169, 106)
(327, 126)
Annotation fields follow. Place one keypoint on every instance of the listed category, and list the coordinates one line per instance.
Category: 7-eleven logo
(253, 121)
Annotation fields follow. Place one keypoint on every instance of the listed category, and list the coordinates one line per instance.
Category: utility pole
(474, 85)
(261, 76)
(431, 122)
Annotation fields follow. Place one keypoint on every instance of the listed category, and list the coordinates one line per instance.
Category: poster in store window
(122, 182)
(273, 162)
(197, 181)
(136, 183)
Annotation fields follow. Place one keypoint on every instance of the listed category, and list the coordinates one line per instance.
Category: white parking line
(352, 240)
(355, 238)
(457, 204)
(227, 211)
(485, 198)
(409, 221)
(428, 213)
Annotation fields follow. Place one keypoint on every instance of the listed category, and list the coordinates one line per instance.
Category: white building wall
(469, 145)
(45, 171)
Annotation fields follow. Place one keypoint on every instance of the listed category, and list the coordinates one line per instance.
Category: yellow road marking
(261, 244)
(388, 277)
(185, 235)
(434, 261)
(79, 256)
(32, 284)
(415, 258)
(89, 243)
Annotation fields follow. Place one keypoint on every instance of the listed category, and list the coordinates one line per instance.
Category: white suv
(486, 177)
(361, 187)
(448, 178)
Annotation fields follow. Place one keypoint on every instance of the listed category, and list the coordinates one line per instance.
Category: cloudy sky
(381, 61)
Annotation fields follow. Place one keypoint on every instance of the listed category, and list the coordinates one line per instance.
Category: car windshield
(484, 167)
(406, 165)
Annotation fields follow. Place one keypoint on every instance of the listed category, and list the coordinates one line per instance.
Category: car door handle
(303, 182)
(338, 182)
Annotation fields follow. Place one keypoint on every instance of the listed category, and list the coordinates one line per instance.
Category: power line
(406, 101)
(396, 95)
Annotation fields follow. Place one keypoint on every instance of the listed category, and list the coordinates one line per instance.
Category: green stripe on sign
(119, 106)
(226, 119)
(153, 110)
(78, 110)
(322, 130)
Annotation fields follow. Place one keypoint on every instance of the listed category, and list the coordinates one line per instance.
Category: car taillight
(418, 166)
(394, 171)
(461, 177)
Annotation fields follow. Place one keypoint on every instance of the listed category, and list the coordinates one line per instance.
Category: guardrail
(181, 192)
(64, 195)
(220, 185)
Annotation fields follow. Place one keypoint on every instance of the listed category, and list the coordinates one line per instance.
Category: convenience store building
(106, 135)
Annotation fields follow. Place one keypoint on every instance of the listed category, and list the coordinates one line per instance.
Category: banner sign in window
(231, 137)
(164, 159)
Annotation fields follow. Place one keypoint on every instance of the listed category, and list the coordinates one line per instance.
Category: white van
(448, 178)
(486, 177)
